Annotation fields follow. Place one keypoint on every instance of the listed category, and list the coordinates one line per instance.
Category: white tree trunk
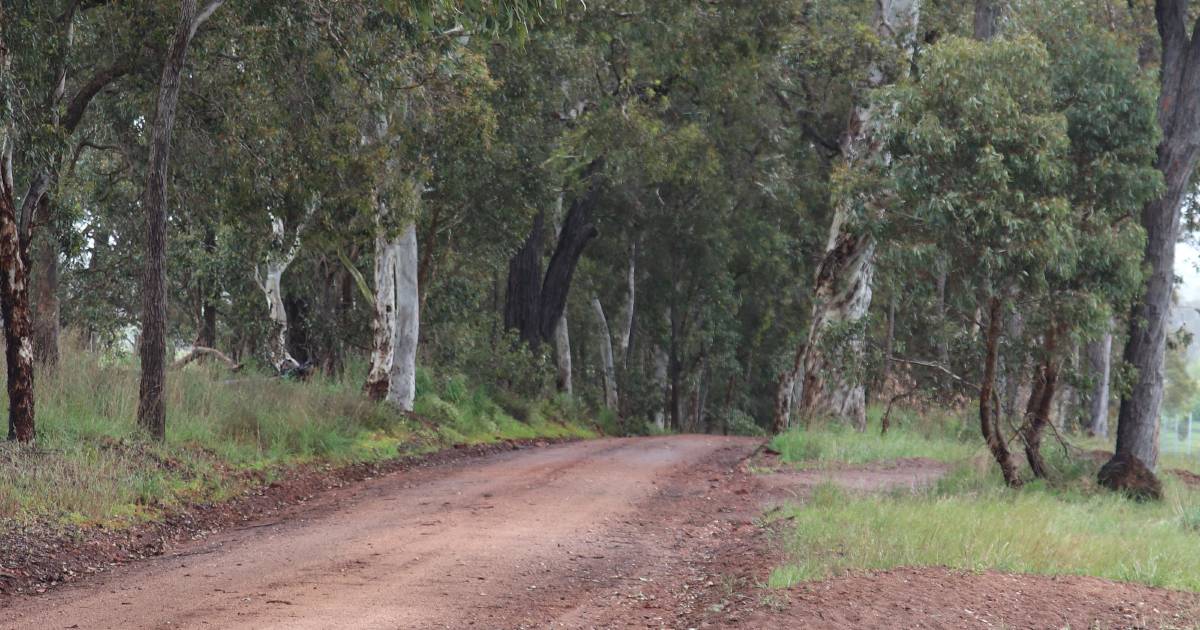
(270, 280)
(832, 385)
(383, 324)
(611, 398)
(660, 381)
(562, 337)
(562, 354)
(626, 332)
(1099, 354)
(402, 386)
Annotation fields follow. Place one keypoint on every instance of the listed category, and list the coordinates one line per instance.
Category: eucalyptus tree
(1178, 151)
(58, 57)
(828, 379)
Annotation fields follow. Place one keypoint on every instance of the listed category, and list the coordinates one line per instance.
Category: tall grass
(942, 436)
(91, 464)
(970, 521)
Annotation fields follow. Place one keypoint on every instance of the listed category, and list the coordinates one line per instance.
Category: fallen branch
(935, 366)
(201, 351)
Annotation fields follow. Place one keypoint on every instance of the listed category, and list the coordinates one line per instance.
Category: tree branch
(203, 16)
(79, 103)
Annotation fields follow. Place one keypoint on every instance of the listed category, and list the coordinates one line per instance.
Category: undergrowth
(942, 437)
(91, 465)
(970, 521)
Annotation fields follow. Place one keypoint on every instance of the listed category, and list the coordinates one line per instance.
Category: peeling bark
(832, 381)
(383, 324)
(14, 307)
(402, 374)
(269, 276)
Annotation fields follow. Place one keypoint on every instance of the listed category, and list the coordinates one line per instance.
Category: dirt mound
(935, 598)
(1126, 473)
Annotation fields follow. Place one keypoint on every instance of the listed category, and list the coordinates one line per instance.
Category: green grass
(970, 521)
(940, 437)
(90, 464)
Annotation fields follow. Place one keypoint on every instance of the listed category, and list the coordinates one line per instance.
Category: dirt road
(605, 533)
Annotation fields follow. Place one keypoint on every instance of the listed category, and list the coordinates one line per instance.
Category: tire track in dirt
(514, 540)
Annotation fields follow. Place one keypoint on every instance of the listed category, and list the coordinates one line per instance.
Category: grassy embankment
(970, 521)
(90, 466)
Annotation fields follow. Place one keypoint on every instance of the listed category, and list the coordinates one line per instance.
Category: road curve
(546, 537)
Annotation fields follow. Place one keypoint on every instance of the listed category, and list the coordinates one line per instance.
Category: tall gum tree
(829, 382)
(1179, 119)
(152, 409)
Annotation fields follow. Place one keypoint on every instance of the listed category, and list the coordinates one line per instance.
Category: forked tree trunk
(1179, 100)
(152, 410)
(1099, 355)
(989, 412)
(608, 366)
(832, 382)
(535, 302)
(402, 375)
(1041, 401)
(270, 280)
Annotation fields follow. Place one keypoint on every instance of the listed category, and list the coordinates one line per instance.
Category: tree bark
(206, 336)
(987, 18)
(1099, 355)
(989, 413)
(785, 394)
(1179, 118)
(562, 355)
(1041, 400)
(269, 276)
(522, 301)
(625, 336)
(534, 303)
(14, 303)
(661, 386)
(402, 375)
(383, 323)
(832, 377)
(609, 370)
(152, 412)
(46, 313)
